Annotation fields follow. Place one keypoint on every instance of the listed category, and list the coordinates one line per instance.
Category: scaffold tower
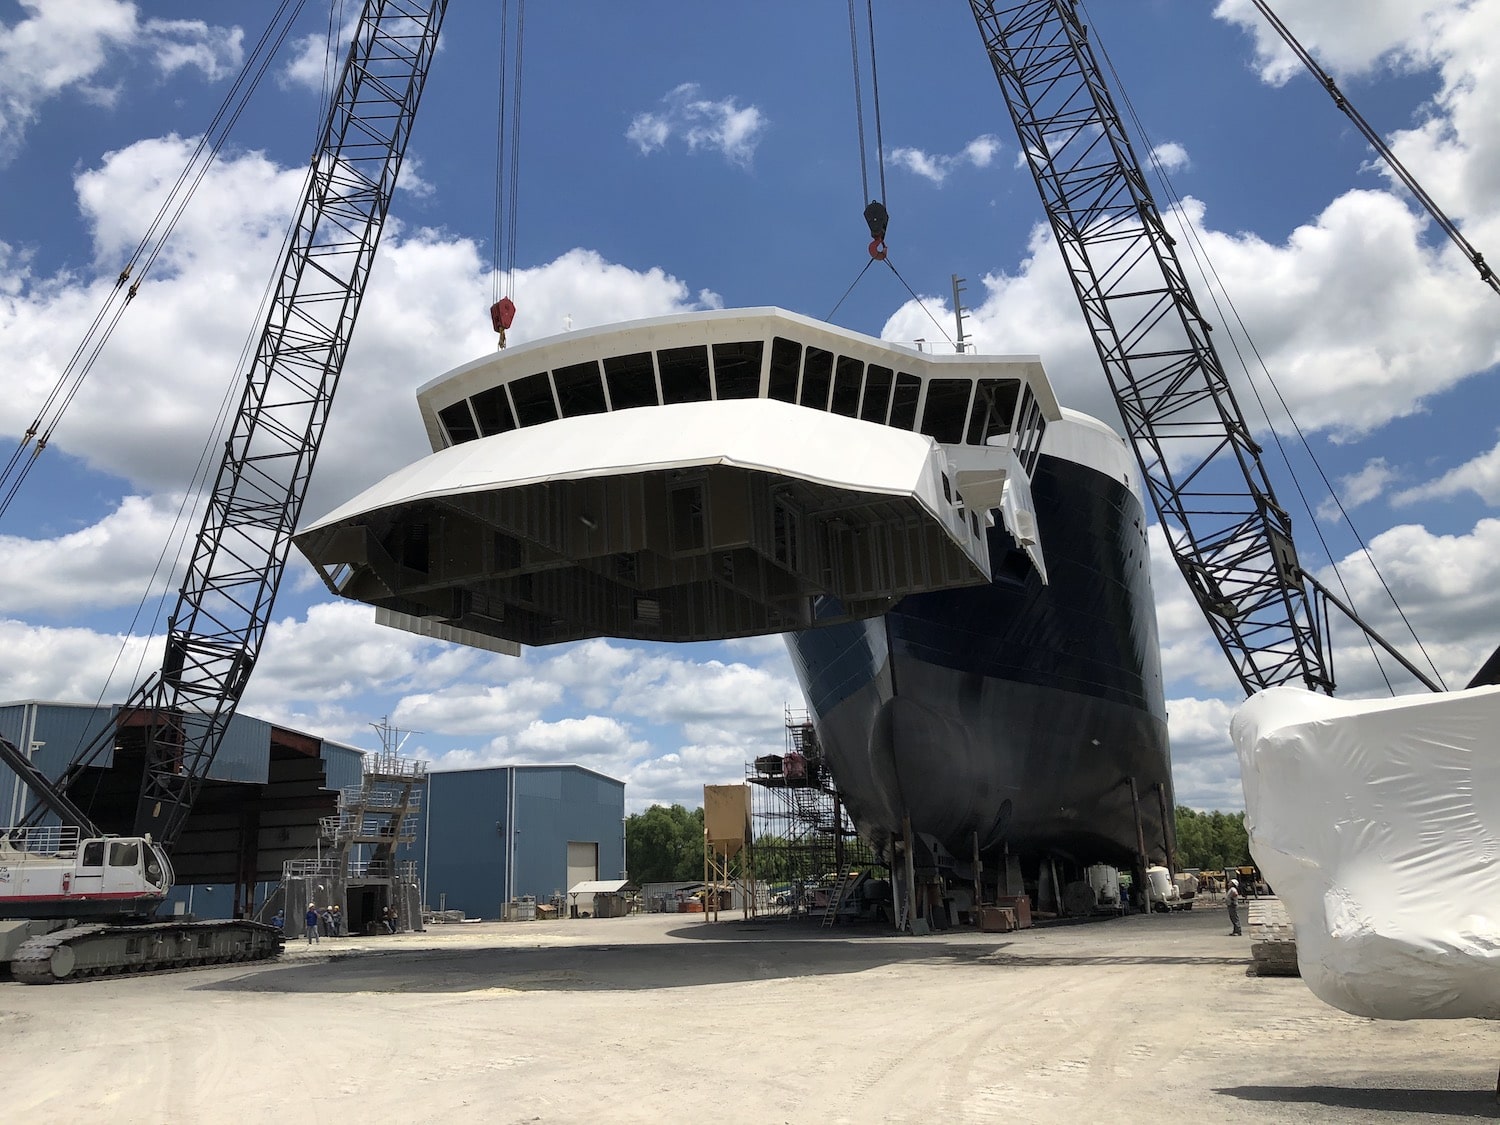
(803, 835)
(357, 866)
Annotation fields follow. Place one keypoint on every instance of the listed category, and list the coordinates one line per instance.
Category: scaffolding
(804, 840)
(356, 866)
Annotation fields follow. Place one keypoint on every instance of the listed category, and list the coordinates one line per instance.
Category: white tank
(1105, 882)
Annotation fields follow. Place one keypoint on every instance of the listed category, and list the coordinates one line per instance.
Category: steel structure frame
(224, 606)
(1233, 545)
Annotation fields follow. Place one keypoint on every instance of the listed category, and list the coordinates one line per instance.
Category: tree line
(664, 844)
(1211, 841)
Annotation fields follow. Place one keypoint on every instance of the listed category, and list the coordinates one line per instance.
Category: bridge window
(904, 401)
(125, 854)
(786, 365)
(847, 375)
(877, 400)
(492, 411)
(737, 369)
(533, 398)
(579, 389)
(1030, 426)
(632, 380)
(458, 422)
(994, 409)
(684, 374)
(817, 375)
(947, 408)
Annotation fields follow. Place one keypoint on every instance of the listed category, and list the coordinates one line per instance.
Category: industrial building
(280, 802)
(487, 837)
(260, 806)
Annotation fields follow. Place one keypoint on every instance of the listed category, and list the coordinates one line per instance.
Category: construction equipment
(224, 606)
(1228, 534)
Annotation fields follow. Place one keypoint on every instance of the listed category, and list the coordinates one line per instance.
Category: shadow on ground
(589, 967)
(693, 955)
(1399, 1104)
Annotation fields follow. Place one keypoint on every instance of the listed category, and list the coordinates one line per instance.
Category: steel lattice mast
(223, 609)
(1233, 544)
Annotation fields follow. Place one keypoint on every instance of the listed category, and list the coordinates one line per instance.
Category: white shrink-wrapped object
(1377, 823)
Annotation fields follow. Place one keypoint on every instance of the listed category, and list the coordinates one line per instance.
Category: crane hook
(877, 219)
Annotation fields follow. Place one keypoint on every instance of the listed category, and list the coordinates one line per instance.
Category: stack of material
(996, 919)
(1273, 940)
(1021, 904)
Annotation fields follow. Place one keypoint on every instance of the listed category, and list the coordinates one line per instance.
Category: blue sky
(678, 156)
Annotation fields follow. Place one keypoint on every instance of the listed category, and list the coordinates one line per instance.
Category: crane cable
(127, 284)
(1208, 271)
(877, 218)
(507, 171)
(1476, 259)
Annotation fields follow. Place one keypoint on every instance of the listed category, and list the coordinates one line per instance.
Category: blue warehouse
(488, 836)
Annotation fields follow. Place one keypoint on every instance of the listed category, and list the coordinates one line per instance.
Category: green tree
(1211, 841)
(771, 858)
(664, 844)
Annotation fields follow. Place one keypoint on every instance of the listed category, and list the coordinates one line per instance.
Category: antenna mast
(958, 312)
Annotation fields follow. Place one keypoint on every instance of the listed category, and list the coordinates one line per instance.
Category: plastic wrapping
(1377, 823)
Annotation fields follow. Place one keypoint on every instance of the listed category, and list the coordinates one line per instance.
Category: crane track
(99, 949)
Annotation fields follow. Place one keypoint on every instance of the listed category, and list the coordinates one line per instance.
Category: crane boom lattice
(1200, 464)
(224, 607)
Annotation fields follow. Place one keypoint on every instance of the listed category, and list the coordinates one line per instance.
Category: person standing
(312, 923)
(1233, 899)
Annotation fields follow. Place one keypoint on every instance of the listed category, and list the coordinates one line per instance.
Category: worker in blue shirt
(312, 923)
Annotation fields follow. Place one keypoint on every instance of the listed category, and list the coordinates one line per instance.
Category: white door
(583, 866)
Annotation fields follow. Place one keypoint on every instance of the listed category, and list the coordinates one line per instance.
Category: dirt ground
(1144, 1019)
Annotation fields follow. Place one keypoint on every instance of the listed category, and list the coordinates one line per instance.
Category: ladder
(835, 900)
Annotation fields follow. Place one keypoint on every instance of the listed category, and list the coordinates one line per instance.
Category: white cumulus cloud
(723, 126)
(937, 167)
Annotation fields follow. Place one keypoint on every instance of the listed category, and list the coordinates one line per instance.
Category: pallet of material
(1273, 940)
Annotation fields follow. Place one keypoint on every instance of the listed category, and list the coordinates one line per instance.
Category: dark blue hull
(1016, 711)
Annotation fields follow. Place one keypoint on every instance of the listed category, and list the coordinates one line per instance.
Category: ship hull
(1015, 714)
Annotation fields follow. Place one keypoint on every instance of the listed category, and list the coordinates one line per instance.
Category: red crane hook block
(502, 313)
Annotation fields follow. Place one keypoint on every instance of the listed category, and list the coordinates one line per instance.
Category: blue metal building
(489, 836)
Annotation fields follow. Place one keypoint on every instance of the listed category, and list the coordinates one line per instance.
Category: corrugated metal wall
(343, 766)
(61, 728)
(469, 821)
(460, 847)
(245, 753)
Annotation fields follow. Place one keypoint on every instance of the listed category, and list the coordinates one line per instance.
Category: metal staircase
(836, 899)
(375, 818)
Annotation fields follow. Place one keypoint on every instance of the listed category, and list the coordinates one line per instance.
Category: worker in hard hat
(1233, 898)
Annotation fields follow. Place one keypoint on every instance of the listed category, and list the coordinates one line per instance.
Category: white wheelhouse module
(689, 478)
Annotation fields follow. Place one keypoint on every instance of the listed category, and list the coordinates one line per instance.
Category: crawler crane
(73, 901)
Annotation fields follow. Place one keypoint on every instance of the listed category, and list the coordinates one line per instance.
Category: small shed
(601, 898)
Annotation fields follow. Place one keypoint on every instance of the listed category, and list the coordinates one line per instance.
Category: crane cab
(50, 872)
